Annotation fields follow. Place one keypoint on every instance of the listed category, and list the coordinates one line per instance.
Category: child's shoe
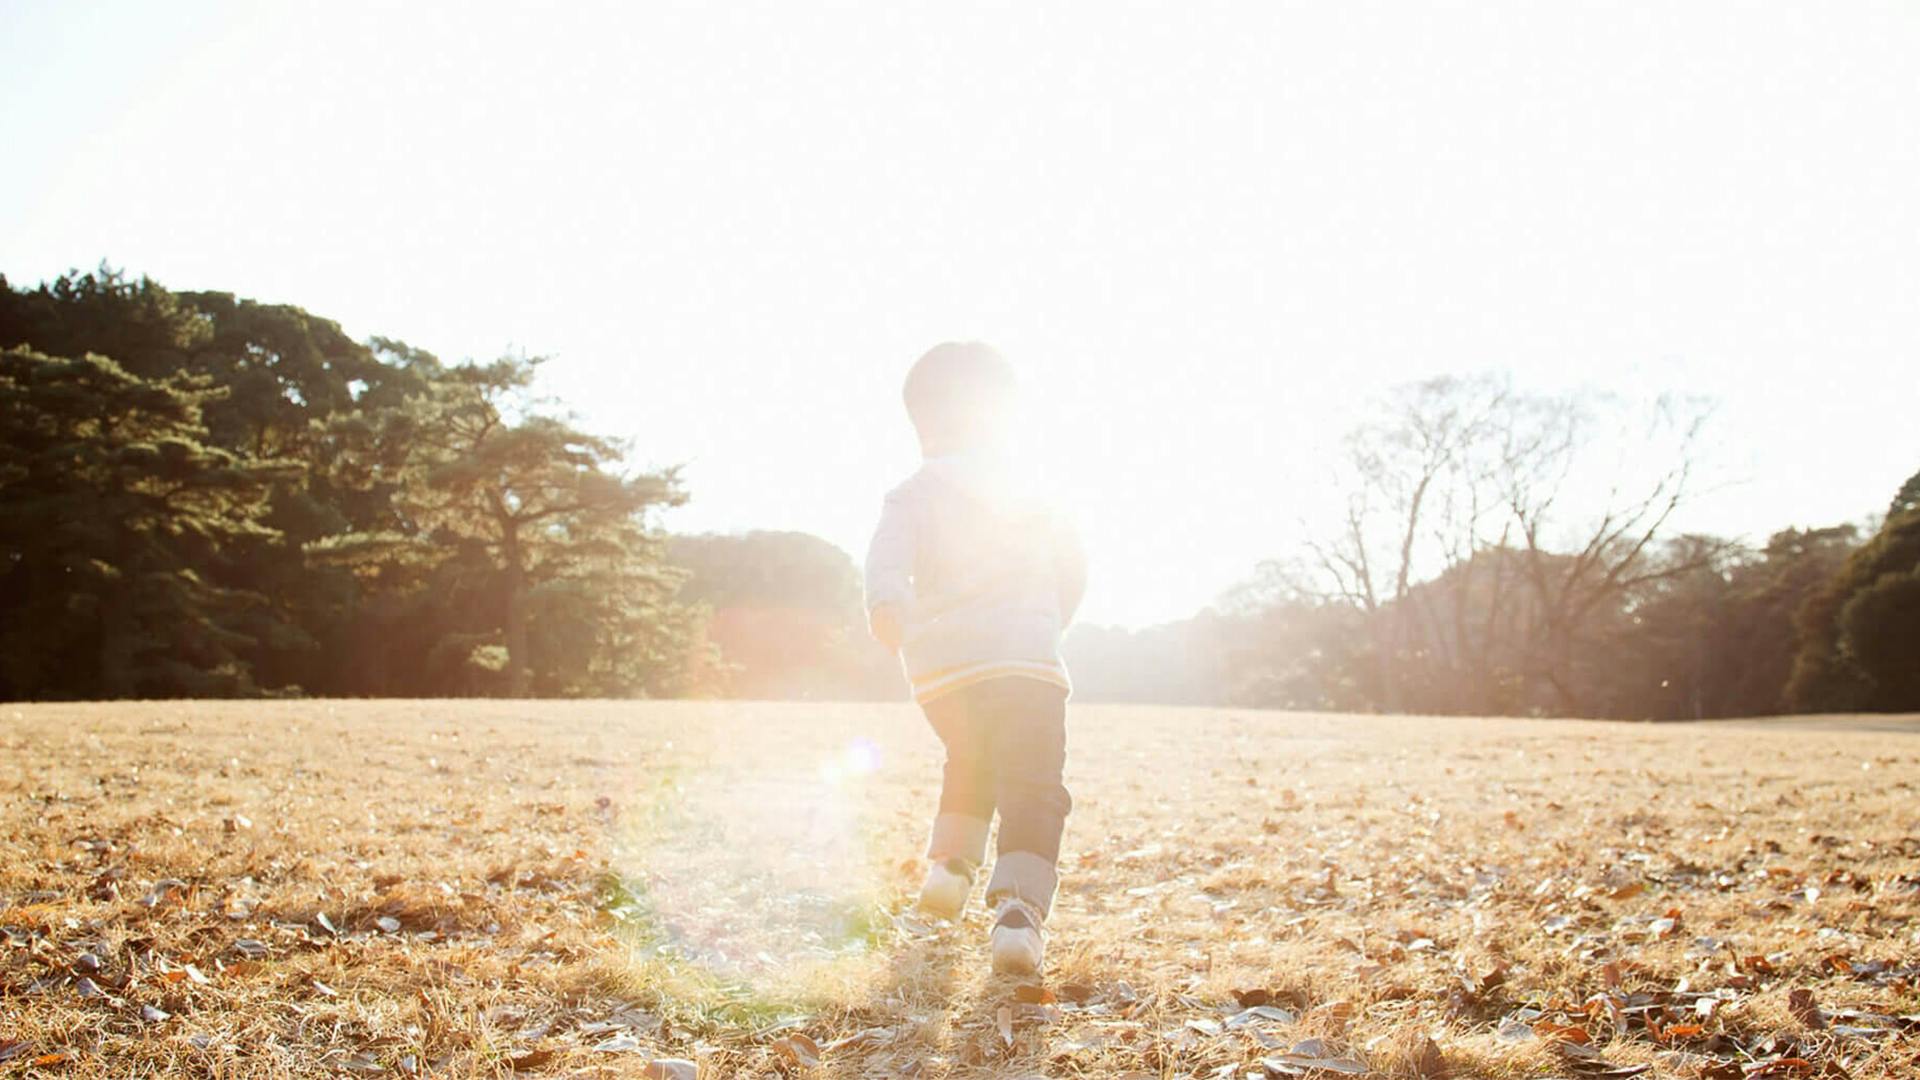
(1019, 940)
(946, 889)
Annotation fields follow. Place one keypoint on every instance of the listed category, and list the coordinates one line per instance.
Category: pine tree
(561, 532)
(1860, 633)
(115, 517)
(1907, 498)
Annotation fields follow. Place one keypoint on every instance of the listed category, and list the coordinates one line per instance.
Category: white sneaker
(1019, 940)
(945, 892)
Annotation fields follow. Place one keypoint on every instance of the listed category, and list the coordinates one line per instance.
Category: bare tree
(1486, 532)
(1608, 552)
(1417, 482)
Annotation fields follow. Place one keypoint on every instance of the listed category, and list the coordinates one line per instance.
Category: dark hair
(956, 389)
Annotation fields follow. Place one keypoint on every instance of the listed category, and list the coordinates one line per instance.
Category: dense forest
(207, 496)
(201, 495)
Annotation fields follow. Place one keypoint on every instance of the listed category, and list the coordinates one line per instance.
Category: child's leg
(1027, 746)
(966, 788)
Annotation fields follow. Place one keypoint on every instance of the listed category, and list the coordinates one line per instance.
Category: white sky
(1205, 232)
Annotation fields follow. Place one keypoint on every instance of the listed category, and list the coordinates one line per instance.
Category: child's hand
(884, 623)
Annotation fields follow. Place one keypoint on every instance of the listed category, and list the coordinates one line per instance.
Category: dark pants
(1006, 744)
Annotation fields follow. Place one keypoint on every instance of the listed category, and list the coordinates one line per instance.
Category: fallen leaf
(1565, 1033)
(1004, 1020)
(11, 1050)
(1340, 1012)
(1033, 995)
(1295, 1064)
(800, 1049)
(1259, 1014)
(1804, 1008)
(163, 890)
(154, 1016)
(388, 924)
(618, 1044)
(1428, 1061)
(532, 1059)
(670, 1069)
(322, 988)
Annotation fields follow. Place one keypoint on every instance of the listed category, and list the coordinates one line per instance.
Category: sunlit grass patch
(535, 889)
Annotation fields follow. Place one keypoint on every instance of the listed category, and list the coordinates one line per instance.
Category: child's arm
(890, 571)
(1069, 569)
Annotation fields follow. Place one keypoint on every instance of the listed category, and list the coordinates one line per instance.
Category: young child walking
(972, 579)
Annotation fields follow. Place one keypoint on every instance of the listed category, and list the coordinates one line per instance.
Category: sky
(1208, 235)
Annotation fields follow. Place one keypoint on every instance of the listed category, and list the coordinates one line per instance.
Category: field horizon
(487, 887)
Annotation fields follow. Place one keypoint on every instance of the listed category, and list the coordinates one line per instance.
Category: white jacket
(984, 577)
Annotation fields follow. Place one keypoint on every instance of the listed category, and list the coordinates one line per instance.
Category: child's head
(960, 397)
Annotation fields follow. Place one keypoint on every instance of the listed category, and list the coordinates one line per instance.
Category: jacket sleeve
(890, 555)
(1069, 568)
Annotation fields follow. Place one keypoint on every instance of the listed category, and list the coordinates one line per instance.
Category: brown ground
(465, 888)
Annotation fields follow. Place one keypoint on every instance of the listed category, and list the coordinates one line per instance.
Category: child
(972, 581)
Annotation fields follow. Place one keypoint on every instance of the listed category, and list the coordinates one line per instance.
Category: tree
(1907, 498)
(1860, 632)
(1418, 500)
(146, 330)
(537, 502)
(1281, 642)
(287, 379)
(786, 616)
(1647, 466)
(328, 529)
(1719, 639)
(115, 519)
(1484, 574)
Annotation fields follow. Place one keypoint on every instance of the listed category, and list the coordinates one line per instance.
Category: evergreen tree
(338, 517)
(1860, 633)
(115, 517)
(540, 508)
(1907, 498)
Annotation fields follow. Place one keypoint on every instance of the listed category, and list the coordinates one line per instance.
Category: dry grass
(575, 889)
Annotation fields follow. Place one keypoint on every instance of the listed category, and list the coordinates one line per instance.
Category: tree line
(208, 496)
(203, 495)
(1512, 553)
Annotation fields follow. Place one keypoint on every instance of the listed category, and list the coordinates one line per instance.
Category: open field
(530, 888)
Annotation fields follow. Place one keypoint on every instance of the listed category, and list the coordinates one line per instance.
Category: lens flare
(862, 757)
(757, 876)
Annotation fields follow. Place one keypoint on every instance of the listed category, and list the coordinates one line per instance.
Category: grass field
(529, 888)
